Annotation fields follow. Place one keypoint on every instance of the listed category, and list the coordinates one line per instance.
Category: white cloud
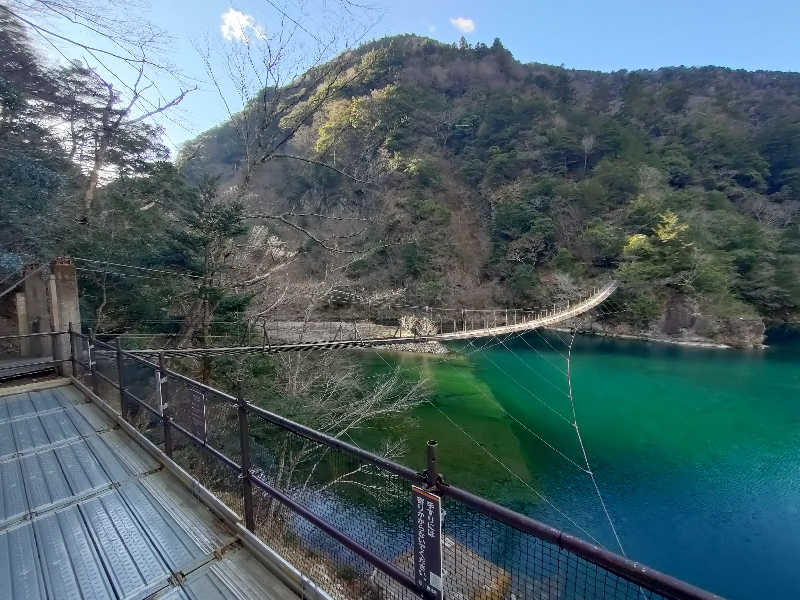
(235, 26)
(463, 24)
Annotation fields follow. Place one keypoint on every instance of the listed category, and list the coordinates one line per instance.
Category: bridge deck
(85, 512)
(547, 320)
(18, 367)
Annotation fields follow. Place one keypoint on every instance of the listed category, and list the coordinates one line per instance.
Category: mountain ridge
(506, 183)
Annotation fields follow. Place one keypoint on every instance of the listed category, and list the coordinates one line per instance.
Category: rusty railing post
(432, 477)
(72, 358)
(166, 412)
(93, 362)
(123, 402)
(247, 483)
(56, 352)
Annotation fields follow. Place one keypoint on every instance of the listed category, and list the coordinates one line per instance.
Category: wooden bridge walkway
(548, 319)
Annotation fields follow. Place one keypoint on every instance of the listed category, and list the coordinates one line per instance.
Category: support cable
(583, 448)
(162, 271)
(517, 476)
(13, 287)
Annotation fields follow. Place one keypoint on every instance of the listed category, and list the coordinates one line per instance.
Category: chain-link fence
(343, 516)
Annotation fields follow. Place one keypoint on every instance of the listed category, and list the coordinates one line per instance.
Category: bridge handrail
(549, 320)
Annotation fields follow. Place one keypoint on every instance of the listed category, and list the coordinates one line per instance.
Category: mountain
(500, 183)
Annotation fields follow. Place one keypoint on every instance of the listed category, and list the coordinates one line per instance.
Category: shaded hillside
(500, 183)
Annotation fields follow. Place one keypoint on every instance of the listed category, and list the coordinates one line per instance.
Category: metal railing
(30, 353)
(342, 515)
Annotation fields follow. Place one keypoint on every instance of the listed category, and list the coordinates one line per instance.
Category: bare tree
(116, 74)
(587, 143)
(110, 125)
(330, 392)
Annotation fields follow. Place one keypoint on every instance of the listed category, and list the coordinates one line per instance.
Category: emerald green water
(697, 452)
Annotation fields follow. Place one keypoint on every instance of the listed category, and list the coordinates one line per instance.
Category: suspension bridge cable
(546, 341)
(10, 277)
(527, 365)
(556, 412)
(587, 469)
(528, 429)
(544, 358)
(103, 272)
(500, 339)
(516, 475)
(162, 271)
(583, 448)
(13, 287)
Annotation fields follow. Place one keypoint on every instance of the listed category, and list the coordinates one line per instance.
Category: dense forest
(512, 184)
(452, 175)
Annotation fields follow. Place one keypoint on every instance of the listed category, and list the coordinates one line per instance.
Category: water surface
(697, 452)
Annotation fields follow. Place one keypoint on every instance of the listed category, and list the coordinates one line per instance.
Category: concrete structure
(23, 327)
(65, 307)
(38, 310)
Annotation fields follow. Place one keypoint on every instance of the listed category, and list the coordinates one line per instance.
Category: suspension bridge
(464, 325)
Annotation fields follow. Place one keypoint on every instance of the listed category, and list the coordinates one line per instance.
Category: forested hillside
(450, 175)
(505, 183)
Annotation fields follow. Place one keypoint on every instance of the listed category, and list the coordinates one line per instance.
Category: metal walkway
(85, 512)
(19, 367)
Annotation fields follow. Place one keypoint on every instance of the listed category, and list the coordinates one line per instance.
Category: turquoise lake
(696, 451)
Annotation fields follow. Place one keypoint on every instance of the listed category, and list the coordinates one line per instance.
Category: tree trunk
(94, 177)
(101, 149)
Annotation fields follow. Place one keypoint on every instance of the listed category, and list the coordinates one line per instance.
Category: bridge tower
(64, 307)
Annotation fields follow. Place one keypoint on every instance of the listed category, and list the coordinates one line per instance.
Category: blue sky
(599, 34)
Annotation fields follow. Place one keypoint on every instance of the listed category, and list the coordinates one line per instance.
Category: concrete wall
(65, 307)
(37, 305)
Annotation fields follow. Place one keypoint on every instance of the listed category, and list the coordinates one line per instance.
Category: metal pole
(72, 350)
(166, 413)
(123, 404)
(247, 482)
(432, 477)
(93, 362)
(56, 352)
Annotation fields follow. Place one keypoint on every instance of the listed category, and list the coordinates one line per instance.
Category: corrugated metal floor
(86, 513)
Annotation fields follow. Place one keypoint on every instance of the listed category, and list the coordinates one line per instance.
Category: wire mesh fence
(483, 555)
(105, 375)
(344, 516)
(211, 416)
(220, 478)
(79, 349)
(369, 505)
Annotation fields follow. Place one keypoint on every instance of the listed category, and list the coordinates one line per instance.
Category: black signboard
(428, 540)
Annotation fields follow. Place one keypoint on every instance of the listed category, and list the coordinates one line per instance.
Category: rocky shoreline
(417, 347)
(655, 339)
